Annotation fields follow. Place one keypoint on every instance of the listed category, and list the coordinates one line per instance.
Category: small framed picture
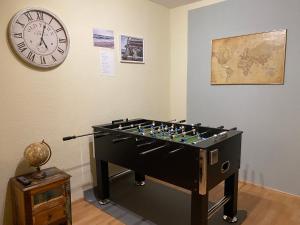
(103, 38)
(132, 49)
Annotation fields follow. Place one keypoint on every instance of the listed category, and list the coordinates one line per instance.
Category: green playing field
(189, 139)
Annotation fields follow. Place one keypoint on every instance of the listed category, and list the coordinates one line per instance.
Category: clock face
(39, 37)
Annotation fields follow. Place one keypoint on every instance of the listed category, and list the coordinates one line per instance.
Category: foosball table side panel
(180, 168)
(120, 153)
(176, 167)
(224, 159)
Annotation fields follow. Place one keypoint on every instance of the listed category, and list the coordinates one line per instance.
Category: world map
(249, 59)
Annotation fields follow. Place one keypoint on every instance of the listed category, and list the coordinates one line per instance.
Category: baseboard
(269, 188)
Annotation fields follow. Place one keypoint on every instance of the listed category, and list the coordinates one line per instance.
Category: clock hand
(42, 40)
(44, 43)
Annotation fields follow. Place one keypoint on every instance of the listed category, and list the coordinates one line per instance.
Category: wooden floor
(263, 206)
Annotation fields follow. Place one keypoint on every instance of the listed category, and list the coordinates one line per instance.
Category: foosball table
(193, 157)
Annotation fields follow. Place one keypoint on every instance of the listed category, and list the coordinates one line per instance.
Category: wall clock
(39, 37)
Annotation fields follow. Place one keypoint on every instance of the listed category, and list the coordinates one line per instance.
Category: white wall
(178, 56)
(73, 97)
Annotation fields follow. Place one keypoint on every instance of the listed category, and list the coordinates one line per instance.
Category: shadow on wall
(92, 164)
(250, 176)
(22, 168)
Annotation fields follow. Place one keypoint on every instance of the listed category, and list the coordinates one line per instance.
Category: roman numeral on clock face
(43, 60)
(54, 59)
(59, 29)
(62, 40)
(40, 15)
(31, 56)
(51, 20)
(22, 24)
(60, 50)
(18, 35)
(21, 46)
(28, 15)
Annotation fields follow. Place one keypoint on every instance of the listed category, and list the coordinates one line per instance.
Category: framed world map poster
(249, 59)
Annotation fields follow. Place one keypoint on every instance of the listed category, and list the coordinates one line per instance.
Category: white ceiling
(174, 3)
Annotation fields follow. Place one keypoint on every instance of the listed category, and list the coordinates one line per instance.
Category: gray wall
(269, 115)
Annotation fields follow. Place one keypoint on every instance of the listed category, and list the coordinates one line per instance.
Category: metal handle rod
(170, 121)
(153, 149)
(218, 206)
(181, 128)
(183, 133)
(78, 136)
(146, 127)
(130, 126)
(151, 125)
(220, 127)
(176, 150)
(192, 136)
(215, 135)
(115, 176)
(145, 144)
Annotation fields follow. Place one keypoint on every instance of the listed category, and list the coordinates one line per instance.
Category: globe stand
(38, 174)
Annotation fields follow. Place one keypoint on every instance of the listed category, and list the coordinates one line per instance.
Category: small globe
(37, 154)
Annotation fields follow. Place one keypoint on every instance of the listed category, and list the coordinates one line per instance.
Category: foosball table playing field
(193, 157)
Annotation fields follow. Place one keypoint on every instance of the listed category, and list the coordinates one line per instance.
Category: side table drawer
(50, 216)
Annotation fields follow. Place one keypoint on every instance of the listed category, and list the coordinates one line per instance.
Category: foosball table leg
(231, 189)
(199, 209)
(139, 179)
(102, 188)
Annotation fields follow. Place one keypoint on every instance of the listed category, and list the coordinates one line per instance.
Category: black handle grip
(117, 140)
(117, 121)
(69, 138)
(182, 121)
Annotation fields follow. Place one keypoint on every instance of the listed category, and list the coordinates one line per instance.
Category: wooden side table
(43, 202)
